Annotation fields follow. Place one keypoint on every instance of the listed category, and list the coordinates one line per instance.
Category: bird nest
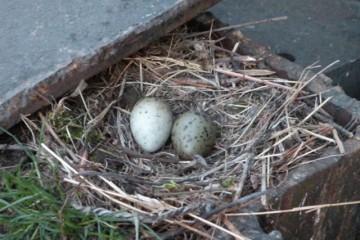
(268, 126)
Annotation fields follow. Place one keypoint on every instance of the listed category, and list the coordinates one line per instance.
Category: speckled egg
(151, 121)
(193, 133)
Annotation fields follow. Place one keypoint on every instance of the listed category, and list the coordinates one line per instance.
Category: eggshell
(193, 133)
(151, 121)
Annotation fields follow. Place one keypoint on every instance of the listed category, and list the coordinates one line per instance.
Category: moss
(170, 186)
(228, 182)
(68, 124)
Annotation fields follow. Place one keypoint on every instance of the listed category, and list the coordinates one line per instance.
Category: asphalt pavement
(320, 31)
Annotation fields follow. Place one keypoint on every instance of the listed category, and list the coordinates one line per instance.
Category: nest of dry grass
(268, 126)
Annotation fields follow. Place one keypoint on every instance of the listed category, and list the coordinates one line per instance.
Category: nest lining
(267, 125)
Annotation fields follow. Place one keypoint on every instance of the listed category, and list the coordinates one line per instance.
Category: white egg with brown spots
(151, 121)
(193, 133)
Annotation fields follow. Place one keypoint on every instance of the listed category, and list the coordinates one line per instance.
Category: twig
(228, 164)
(57, 138)
(315, 160)
(234, 203)
(248, 163)
(146, 155)
(218, 227)
(192, 229)
(218, 210)
(327, 119)
(295, 158)
(231, 227)
(338, 141)
(127, 178)
(335, 125)
(249, 125)
(236, 58)
(296, 94)
(263, 180)
(242, 25)
(317, 135)
(314, 111)
(69, 169)
(311, 139)
(234, 54)
(136, 180)
(17, 147)
(243, 76)
(94, 121)
(180, 211)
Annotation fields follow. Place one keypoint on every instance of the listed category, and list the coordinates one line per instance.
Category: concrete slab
(47, 47)
(324, 30)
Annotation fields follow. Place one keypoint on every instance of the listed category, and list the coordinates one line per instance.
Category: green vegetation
(33, 205)
(31, 211)
(229, 181)
(69, 123)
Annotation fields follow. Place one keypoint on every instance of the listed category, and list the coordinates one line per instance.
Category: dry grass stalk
(338, 141)
(282, 18)
(243, 76)
(297, 209)
(234, 234)
(232, 228)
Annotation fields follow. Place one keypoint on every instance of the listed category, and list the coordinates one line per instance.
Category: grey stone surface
(39, 37)
(324, 30)
(46, 47)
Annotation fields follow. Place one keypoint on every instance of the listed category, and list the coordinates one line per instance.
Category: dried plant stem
(267, 20)
(30, 125)
(108, 194)
(277, 143)
(263, 181)
(57, 138)
(221, 208)
(228, 164)
(231, 227)
(236, 58)
(252, 121)
(297, 209)
(146, 155)
(248, 163)
(239, 201)
(296, 94)
(314, 160)
(258, 80)
(295, 158)
(338, 141)
(193, 229)
(70, 169)
(319, 136)
(314, 111)
(308, 141)
(218, 227)
(335, 125)
(17, 147)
